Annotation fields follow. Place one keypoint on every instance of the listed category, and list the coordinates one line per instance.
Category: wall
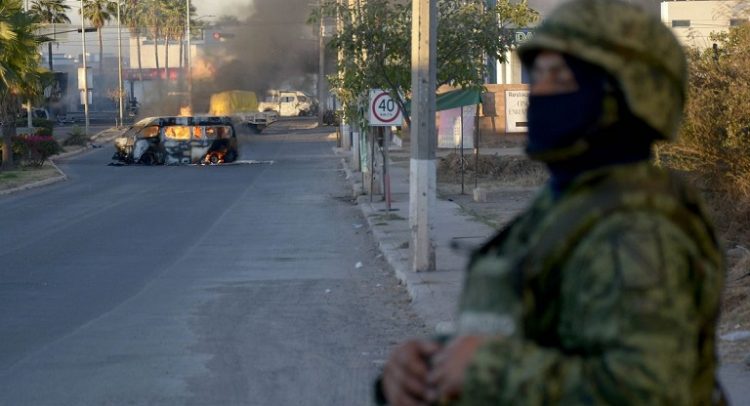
(492, 117)
(703, 17)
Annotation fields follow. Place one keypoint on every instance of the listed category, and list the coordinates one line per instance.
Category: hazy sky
(239, 8)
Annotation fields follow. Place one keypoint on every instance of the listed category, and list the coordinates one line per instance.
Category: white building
(694, 21)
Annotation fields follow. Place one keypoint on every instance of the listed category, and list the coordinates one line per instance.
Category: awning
(454, 98)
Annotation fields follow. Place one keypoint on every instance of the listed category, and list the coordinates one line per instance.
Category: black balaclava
(587, 129)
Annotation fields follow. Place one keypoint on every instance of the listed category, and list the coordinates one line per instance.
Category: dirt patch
(512, 181)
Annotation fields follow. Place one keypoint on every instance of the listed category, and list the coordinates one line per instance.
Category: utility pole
(321, 67)
(29, 113)
(491, 60)
(189, 58)
(85, 72)
(120, 90)
(422, 172)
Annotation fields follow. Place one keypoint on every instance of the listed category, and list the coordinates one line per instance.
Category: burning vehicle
(178, 140)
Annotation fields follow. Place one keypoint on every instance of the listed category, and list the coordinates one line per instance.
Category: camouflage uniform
(607, 293)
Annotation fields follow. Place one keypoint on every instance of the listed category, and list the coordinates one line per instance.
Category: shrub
(713, 146)
(76, 136)
(37, 122)
(43, 131)
(35, 149)
(18, 145)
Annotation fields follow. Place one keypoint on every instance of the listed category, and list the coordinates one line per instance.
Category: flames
(214, 158)
(203, 69)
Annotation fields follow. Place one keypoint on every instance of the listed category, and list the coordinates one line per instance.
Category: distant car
(178, 140)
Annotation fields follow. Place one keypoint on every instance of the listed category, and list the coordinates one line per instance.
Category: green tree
(134, 16)
(99, 13)
(153, 21)
(21, 77)
(375, 44)
(50, 12)
(173, 26)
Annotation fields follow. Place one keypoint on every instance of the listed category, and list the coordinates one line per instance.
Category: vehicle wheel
(148, 159)
(253, 128)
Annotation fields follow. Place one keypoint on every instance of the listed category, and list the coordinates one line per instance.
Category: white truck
(288, 103)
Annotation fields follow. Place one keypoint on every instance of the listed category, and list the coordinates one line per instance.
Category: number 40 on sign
(383, 111)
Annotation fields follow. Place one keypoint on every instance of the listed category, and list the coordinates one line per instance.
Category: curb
(37, 184)
(388, 252)
(62, 177)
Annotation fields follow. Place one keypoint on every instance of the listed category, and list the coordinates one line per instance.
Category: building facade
(694, 21)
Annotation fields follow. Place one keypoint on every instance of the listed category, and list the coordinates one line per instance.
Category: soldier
(606, 289)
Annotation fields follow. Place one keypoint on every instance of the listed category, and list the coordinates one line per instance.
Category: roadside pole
(386, 172)
(422, 174)
(371, 154)
(120, 89)
(85, 73)
(29, 107)
(383, 112)
(321, 67)
(356, 150)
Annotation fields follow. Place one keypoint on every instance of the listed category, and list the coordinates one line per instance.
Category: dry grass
(495, 169)
(26, 175)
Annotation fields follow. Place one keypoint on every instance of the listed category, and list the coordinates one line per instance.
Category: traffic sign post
(383, 111)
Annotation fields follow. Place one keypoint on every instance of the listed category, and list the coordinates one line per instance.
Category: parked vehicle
(242, 106)
(288, 103)
(178, 140)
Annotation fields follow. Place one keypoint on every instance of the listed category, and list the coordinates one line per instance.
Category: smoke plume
(268, 47)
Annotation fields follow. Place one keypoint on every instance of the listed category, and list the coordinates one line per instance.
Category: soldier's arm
(627, 328)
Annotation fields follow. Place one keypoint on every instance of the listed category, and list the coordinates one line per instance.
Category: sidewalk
(435, 295)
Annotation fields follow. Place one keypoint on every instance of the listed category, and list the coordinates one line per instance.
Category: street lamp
(85, 72)
(189, 58)
(119, 65)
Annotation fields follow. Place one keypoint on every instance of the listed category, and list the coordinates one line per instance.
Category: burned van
(178, 140)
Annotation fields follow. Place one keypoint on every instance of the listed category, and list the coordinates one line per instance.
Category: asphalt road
(190, 285)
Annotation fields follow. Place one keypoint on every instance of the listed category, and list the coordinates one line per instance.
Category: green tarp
(454, 99)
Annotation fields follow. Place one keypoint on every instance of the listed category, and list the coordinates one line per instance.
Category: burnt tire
(148, 159)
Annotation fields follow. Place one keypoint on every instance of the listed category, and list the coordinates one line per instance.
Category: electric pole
(321, 66)
(422, 172)
(85, 73)
(120, 89)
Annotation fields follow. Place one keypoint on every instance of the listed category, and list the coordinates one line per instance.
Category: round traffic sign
(384, 108)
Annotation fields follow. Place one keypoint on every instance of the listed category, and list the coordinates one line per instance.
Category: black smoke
(270, 46)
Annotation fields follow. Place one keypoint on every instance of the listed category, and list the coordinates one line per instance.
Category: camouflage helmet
(634, 47)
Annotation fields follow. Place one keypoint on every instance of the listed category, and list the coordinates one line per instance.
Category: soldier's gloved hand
(405, 373)
(449, 368)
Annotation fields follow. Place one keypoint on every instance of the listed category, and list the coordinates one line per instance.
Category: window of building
(680, 23)
(735, 22)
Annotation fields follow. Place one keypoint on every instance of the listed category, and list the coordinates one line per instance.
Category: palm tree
(99, 12)
(50, 12)
(20, 74)
(153, 21)
(174, 23)
(134, 17)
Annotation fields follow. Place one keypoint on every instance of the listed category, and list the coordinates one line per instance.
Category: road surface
(252, 284)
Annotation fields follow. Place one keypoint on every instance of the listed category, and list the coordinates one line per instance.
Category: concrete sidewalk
(435, 295)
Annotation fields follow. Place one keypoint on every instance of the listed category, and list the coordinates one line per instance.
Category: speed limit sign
(384, 111)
